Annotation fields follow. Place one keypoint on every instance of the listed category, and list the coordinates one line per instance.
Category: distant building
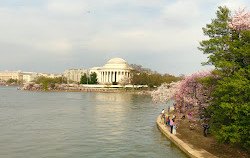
(29, 76)
(74, 74)
(19, 75)
(6, 75)
(24, 76)
(113, 71)
(50, 75)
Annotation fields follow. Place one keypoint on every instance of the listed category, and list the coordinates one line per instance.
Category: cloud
(233, 5)
(182, 12)
(160, 34)
(67, 7)
(60, 46)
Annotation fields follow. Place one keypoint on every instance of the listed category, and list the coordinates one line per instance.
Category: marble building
(114, 70)
(74, 74)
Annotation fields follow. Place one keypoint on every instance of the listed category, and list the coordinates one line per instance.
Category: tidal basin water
(76, 125)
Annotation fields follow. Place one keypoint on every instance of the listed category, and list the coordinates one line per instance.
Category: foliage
(145, 76)
(187, 91)
(15, 81)
(93, 78)
(89, 80)
(231, 98)
(228, 49)
(140, 69)
(223, 95)
(165, 92)
(219, 34)
(124, 81)
(84, 79)
(240, 20)
(49, 83)
(192, 92)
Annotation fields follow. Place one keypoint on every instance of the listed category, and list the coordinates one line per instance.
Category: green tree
(145, 76)
(84, 79)
(93, 78)
(9, 81)
(228, 51)
(49, 82)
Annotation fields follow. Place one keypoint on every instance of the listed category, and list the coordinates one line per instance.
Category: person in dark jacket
(206, 127)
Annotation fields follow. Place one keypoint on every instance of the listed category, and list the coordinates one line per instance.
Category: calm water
(74, 125)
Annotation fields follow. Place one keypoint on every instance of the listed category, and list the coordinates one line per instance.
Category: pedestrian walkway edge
(187, 148)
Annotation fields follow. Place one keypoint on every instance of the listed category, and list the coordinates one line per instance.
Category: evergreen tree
(228, 50)
(84, 79)
(93, 78)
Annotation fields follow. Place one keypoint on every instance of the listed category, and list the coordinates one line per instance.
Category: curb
(187, 148)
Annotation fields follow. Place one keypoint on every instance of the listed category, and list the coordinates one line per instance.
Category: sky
(51, 36)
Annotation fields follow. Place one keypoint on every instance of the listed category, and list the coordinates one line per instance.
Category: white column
(101, 76)
(105, 76)
(118, 74)
(111, 75)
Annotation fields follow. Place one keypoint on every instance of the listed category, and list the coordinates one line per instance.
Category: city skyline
(55, 35)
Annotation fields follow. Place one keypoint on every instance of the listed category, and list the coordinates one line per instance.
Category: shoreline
(96, 91)
(187, 148)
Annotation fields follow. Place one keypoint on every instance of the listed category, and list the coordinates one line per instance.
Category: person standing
(162, 115)
(163, 111)
(168, 121)
(171, 125)
(205, 126)
(168, 109)
(174, 128)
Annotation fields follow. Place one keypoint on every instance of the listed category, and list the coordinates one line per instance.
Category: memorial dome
(117, 63)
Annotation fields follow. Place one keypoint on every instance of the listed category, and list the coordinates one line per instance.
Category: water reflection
(80, 125)
(111, 97)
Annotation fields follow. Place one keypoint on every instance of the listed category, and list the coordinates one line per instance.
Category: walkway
(187, 148)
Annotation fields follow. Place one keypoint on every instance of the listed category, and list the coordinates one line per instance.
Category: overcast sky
(55, 35)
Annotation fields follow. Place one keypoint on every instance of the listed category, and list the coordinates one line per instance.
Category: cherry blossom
(187, 91)
(240, 20)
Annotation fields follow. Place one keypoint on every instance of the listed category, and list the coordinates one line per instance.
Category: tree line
(220, 97)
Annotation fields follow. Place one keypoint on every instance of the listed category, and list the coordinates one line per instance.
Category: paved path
(187, 148)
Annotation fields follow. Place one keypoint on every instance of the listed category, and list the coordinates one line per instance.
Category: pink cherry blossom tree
(240, 20)
(187, 91)
(165, 92)
(192, 92)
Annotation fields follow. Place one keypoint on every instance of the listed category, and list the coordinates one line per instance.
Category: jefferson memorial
(115, 70)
